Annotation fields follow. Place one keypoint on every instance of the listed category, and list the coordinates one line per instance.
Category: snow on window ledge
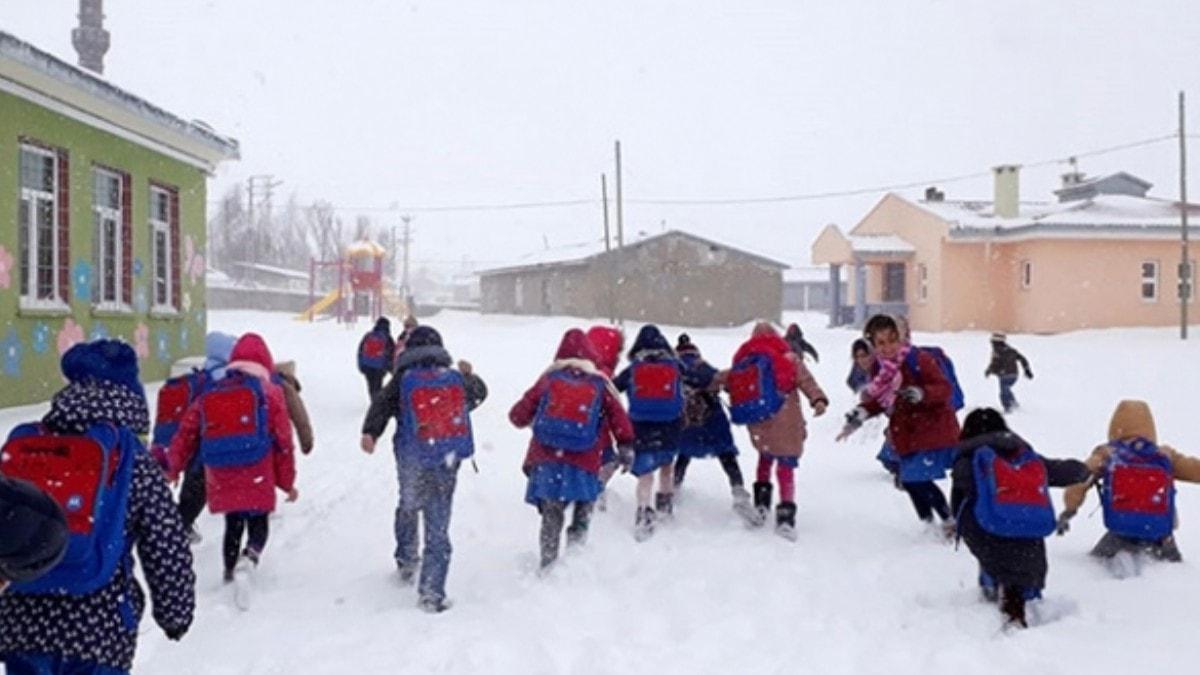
(165, 312)
(117, 309)
(28, 305)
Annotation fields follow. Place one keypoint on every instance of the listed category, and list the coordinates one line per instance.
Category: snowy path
(865, 589)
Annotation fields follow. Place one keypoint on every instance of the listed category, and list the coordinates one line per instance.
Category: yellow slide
(320, 306)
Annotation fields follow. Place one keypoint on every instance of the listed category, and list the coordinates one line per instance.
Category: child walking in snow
(607, 342)
(82, 616)
(575, 413)
(706, 431)
(1137, 487)
(764, 388)
(431, 403)
(653, 382)
(1001, 498)
(241, 430)
(1004, 364)
(862, 371)
(376, 355)
(912, 388)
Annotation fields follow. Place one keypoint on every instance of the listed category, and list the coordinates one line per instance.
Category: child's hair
(982, 421)
(878, 324)
(860, 345)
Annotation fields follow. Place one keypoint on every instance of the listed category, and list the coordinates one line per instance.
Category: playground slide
(320, 306)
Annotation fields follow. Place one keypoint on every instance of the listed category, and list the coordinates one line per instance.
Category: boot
(785, 520)
(744, 508)
(407, 572)
(578, 529)
(762, 499)
(664, 504)
(1012, 605)
(643, 526)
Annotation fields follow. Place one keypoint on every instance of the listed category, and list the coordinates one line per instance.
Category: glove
(175, 633)
(1029, 374)
(1064, 522)
(856, 417)
(911, 394)
(625, 457)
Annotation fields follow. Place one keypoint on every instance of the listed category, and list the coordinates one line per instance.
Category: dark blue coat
(650, 345)
(714, 436)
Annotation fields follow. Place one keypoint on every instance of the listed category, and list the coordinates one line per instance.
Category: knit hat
(685, 345)
(107, 360)
(217, 347)
(423, 336)
(1132, 419)
(999, 337)
(383, 325)
(33, 531)
(410, 322)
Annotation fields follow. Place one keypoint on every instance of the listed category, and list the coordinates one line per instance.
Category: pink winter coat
(243, 488)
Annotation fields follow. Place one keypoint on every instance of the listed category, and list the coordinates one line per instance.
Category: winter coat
(295, 405)
(102, 627)
(243, 488)
(929, 424)
(650, 345)
(607, 341)
(1010, 561)
(383, 330)
(386, 405)
(706, 428)
(1131, 419)
(784, 433)
(857, 379)
(1005, 360)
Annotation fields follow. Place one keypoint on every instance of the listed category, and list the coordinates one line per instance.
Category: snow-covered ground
(864, 590)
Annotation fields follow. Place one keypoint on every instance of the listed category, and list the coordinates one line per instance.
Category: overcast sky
(367, 103)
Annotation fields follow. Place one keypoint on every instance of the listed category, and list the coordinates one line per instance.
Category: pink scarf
(886, 383)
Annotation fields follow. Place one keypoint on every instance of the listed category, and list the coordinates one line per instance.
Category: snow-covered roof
(43, 79)
(271, 269)
(879, 243)
(1107, 213)
(807, 275)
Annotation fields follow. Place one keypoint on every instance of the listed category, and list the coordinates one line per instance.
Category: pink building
(1103, 254)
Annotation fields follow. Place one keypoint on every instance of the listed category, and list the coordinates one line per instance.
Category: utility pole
(620, 203)
(612, 309)
(604, 201)
(1185, 265)
(404, 292)
(250, 219)
(268, 185)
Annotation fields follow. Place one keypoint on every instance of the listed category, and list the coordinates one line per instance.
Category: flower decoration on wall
(162, 345)
(137, 267)
(41, 337)
(99, 331)
(141, 341)
(195, 259)
(82, 277)
(141, 300)
(187, 302)
(6, 266)
(70, 335)
(184, 334)
(12, 349)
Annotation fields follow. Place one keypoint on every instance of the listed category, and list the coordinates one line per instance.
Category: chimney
(932, 194)
(1008, 190)
(90, 39)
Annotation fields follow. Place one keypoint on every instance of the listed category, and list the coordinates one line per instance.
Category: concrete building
(674, 278)
(809, 289)
(1102, 254)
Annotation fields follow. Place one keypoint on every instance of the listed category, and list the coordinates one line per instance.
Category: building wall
(33, 340)
(813, 296)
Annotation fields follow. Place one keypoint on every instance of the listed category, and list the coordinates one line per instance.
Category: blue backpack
(89, 475)
(1138, 491)
(373, 352)
(957, 399)
(436, 424)
(753, 396)
(1012, 496)
(233, 422)
(655, 391)
(568, 416)
(174, 397)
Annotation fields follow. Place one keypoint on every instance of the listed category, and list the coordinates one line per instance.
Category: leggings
(927, 498)
(192, 496)
(235, 524)
(784, 473)
(729, 465)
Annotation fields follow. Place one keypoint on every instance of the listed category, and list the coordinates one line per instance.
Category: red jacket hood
(251, 347)
(608, 343)
(575, 345)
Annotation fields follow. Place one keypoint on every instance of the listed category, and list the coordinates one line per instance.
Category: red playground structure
(359, 289)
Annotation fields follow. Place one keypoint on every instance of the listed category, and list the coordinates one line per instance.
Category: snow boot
(194, 536)
(743, 507)
(1012, 605)
(762, 499)
(664, 504)
(432, 605)
(578, 529)
(407, 572)
(988, 587)
(242, 578)
(785, 520)
(643, 526)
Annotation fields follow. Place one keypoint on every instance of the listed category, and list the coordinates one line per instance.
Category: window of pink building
(1026, 274)
(1150, 281)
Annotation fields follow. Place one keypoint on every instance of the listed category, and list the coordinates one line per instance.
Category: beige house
(1102, 254)
(674, 278)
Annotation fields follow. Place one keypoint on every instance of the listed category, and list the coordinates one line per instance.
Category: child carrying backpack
(431, 403)
(1003, 365)
(240, 429)
(608, 343)
(916, 388)
(862, 371)
(653, 382)
(1136, 477)
(1001, 499)
(376, 355)
(706, 431)
(82, 616)
(575, 414)
(764, 387)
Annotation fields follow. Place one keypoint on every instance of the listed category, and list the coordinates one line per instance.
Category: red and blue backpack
(435, 419)
(957, 398)
(89, 475)
(174, 397)
(373, 352)
(568, 416)
(1013, 495)
(655, 391)
(1138, 491)
(753, 394)
(233, 422)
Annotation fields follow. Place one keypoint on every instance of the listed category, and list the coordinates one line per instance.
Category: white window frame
(30, 299)
(1143, 280)
(160, 227)
(1026, 272)
(922, 275)
(99, 214)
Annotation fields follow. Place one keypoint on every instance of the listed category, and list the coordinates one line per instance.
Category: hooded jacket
(607, 341)
(651, 345)
(243, 488)
(217, 347)
(577, 358)
(1005, 360)
(297, 412)
(382, 328)
(1132, 419)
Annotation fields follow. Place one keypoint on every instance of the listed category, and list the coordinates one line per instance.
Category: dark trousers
(554, 515)
(729, 465)
(927, 498)
(1007, 399)
(192, 496)
(374, 382)
(238, 523)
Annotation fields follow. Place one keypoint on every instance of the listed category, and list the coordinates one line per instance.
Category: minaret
(90, 39)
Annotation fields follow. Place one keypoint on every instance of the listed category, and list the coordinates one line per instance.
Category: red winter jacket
(774, 347)
(928, 425)
(243, 488)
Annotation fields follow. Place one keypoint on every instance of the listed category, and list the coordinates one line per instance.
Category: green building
(102, 221)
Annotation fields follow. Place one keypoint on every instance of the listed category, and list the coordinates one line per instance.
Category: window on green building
(164, 243)
(43, 254)
(109, 243)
